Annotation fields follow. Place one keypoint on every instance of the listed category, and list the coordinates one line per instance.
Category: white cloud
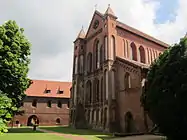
(53, 25)
(171, 32)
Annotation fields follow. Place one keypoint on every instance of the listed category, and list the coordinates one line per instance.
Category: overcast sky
(52, 26)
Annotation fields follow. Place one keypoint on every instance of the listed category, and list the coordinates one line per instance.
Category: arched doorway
(17, 122)
(129, 122)
(58, 121)
(31, 119)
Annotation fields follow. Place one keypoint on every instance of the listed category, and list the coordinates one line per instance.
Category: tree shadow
(22, 130)
(70, 130)
(106, 137)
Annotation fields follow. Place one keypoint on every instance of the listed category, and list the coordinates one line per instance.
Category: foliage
(14, 61)
(5, 114)
(165, 96)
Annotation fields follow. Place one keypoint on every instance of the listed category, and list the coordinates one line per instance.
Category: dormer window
(60, 92)
(47, 91)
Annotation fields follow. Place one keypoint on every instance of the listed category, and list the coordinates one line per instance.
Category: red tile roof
(38, 88)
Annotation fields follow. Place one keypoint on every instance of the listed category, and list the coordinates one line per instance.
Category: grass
(89, 134)
(28, 134)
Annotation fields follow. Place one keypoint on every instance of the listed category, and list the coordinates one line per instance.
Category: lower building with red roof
(47, 102)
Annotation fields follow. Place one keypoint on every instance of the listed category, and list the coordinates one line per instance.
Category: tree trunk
(12, 123)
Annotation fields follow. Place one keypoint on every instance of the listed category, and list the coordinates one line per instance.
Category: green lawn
(89, 134)
(28, 134)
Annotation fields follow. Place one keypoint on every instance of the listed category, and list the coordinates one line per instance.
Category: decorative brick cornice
(127, 67)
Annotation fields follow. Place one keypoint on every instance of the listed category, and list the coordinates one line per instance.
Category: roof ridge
(37, 88)
(50, 80)
(142, 34)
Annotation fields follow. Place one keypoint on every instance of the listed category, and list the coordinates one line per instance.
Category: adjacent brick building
(47, 101)
(110, 64)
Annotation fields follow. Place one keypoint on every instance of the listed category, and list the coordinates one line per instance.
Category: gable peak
(81, 34)
(109, 11)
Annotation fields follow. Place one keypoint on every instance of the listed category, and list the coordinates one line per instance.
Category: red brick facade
(48, 102)
(110, 64)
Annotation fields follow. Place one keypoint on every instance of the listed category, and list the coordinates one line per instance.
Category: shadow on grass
(80, 132)
(69, 130)
(22, 130)
(106, 137)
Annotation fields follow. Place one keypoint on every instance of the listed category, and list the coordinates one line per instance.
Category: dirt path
(69, 136)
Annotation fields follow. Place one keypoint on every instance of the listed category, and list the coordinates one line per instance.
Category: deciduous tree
(165, 96)
(14, 61)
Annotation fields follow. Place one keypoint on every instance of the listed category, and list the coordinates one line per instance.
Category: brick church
(110, 63)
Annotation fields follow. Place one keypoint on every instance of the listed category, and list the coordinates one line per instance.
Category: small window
(59, 104)
(60, 91)
(75, 47)
(47, 91)
(81, 47)
(49, 104)
(58, 121)
(34, 103)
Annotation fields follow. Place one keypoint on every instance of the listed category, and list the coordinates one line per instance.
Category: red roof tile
(38, 88)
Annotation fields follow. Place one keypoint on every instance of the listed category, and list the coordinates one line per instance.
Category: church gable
(96, 24)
